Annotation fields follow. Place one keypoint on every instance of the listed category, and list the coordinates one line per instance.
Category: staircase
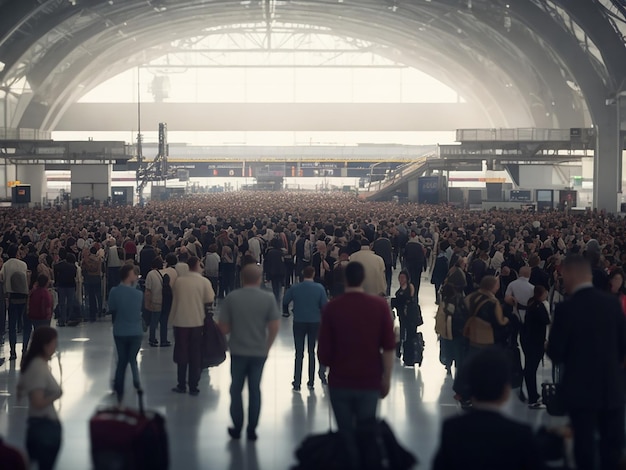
(386, 188)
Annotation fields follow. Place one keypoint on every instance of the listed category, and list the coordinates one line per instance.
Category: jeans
(290, 267)
(159, 318)
(227, 282)
(301, 331)
(94, 294)
(43, 441)
(127, 350)
(242, 368)
(609, 424)
(388, 278)
(66, 303)
(352, 409)
(17, 311)
(416, 278)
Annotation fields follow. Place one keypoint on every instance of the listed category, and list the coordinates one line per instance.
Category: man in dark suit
(415, 261)
(588, 339)
(383, 248)
(484, 438)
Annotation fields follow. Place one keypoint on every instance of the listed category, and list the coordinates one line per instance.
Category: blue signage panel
(428, 189)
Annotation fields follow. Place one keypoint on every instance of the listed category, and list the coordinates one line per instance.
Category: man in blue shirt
(308, 299)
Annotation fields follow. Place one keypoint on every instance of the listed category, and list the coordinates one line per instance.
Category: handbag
(213, 343)
(552, 394)
(477, 330)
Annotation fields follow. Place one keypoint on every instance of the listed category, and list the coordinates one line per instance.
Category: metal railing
(24, 134)
(513, 135)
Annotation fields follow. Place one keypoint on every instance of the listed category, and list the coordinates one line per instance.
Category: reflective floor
(419, 400)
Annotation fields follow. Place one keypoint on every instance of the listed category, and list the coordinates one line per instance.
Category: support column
(607, 165)
(413, 190)
(35, 176)
(91, 181)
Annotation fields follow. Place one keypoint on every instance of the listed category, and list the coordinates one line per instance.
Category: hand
(385, 387)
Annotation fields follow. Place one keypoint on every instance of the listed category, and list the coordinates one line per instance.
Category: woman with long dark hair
(410, 318)
(43, 435)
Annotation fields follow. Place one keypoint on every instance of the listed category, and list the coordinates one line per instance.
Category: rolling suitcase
(125, 439)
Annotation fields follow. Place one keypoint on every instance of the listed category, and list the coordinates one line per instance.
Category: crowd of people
(502, 279)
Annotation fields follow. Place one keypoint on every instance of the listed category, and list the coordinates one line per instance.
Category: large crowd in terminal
(194, 272)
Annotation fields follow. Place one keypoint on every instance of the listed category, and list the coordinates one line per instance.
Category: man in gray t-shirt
(251, 317)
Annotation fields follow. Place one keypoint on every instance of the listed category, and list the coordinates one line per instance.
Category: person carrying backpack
(158, 299)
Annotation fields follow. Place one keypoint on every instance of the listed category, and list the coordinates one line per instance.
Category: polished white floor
(419, 400)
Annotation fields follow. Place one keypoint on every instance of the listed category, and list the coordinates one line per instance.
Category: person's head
(171, 260)
(576, 270)
(448, 292)
(42, 280)
(43, 343)
(354, 274)
(251, 275)
(489, 377)
(157, 263)
(534, 261)
(404, 277)
(525, 272)
(344, 254)
(128, 275)
(505, 271)
(93, 250)
(616, 280)
(309, 272)
(13, 250)
(365, 243)
(490, 284)
(540, 294)
(212, 248)
(194, 264)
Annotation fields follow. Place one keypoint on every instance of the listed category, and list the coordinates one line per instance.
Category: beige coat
(191, 293)
(375, 282)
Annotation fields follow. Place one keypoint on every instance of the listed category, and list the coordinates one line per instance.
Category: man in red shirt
(357, 343)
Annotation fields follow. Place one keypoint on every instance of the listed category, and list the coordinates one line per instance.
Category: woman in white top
(43, 435)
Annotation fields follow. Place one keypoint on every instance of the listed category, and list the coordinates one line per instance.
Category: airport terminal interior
(491, 132)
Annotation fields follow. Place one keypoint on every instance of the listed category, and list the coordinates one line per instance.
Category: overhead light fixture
(2, 65)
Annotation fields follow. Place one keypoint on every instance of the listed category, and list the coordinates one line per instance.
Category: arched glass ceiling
(235, 65)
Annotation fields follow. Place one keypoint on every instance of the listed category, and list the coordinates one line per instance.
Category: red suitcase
(125, 439)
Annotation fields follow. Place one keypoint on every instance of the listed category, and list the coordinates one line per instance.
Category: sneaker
(179, 390)
(194, 392)
(13, 356)
(536, 406)
(234, 433)
(252, 435)
(286, 315)
(295, 388)
(166, 344)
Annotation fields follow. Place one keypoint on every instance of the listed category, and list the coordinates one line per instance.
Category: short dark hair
(576, 262)
(354, 274)
(171, 259)
(193, 262)
(489, 373)
(12, 251)
(125, 271)
(308, 272)
(70, 258)
(157, 263)
(42, 280)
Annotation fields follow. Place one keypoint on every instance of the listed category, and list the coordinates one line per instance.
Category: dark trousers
(353, 409)
(188, 355)
(43, 441)
(277, 286)
(389, 278)
(301, 331)
(16, 312)
(289, 270)
(66, 303)
(300, 265)
(437, 288)
(609, 424)
(113, 278)
(533, 354)
(227, 282)
(127, 350)
(215, 283)
(94, 296)
(244, 368)
(40, 323)
(159, 319)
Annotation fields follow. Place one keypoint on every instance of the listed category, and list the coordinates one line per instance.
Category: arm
(39, 401)
(148, 299)
(508, 296)
(223, 321)
(388, 358)
(500, 318)
(272, 332)
(557, 342)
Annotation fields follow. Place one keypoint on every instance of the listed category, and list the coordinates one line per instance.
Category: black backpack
(459, 318)
(168, 293)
